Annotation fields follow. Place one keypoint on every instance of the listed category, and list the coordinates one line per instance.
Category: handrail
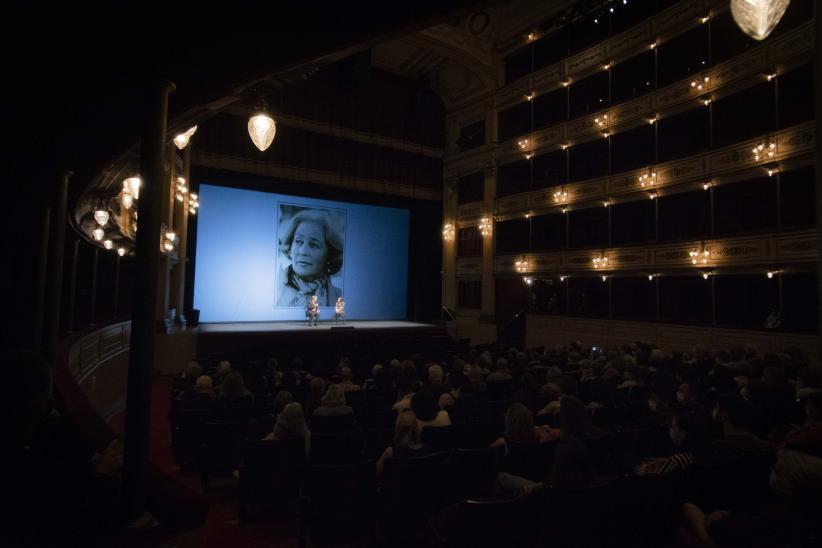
(447, 312)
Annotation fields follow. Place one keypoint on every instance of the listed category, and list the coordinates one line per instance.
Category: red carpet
(222, 528)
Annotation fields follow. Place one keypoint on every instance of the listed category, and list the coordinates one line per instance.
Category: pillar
(178, 272)
(147, 262)
(54, 277)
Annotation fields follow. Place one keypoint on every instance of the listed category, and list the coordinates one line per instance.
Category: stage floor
(268, 327)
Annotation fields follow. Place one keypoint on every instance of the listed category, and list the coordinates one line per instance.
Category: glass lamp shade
(127, 200)
(261, 129)
(98, 234)
(132, 186)
(121, 251)
(181, 139)
(108, 244)
(101, 216)
(757, 18)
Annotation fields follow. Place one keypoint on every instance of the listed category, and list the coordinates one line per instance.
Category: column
(54, 277)
(817, 77)
(449, 248)
(164, 324)
(178, 273)
(487, 314)
(147, 261)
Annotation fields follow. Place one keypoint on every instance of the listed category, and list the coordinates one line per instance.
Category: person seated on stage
(407, 441)
(345, 381)
(339, 310)
(312, 310)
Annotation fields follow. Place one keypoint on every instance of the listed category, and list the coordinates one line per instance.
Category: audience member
(407, 441)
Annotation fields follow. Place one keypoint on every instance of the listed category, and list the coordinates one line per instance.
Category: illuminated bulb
(607, 65)
(179, 197)
(606, 203)
(605, 278)
(652, 195)
(531, 36)
(528, 280)
(565, 210)
(530, 96)
(601, 120)
(757, 18)
(606, 133)
(772, 171)
(261, 129)
(171, 236)
(121, 251)
(564, 146)
(108, 244)
(705, 19)
(98, 234)
(652, 121)
(565, 82)
(562, 278)
(522, 143)
(529, 155)
(448, 232)
(181, 139)
(706, 186)
(706, 102)
(126, 200)
(770, 76)
(650, 277)
(101, 216)
(705, 275)
(770, 275)
(653, 45)
(132, 186)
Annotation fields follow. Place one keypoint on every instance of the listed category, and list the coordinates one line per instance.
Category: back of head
(290, 422)
(233, 386)
(501, 364)
(204, 385)
(223, 369)
(192, 370)
(316, 388)
(424, 405)
(345, 374)
(334, 396)
(519, 423)
(435, 375)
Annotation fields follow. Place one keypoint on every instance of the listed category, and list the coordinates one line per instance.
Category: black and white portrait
(310, 256)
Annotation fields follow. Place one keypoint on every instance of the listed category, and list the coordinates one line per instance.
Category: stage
(326, 340)
(270, 327)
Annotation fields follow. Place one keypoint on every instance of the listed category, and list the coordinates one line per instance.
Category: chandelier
(758, 18)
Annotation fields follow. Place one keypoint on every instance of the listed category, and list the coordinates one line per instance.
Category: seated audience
(407, 441)
(405, 390)
(291, 424)
(808, 438)
(283, 398)
(501, 371)
(519, 428)
(234, 391)
(573, 466)
(425, 410)
(333, 404)
(734, 416)
(690, 435)
(316, 391)
(345, 380)
(204, 388)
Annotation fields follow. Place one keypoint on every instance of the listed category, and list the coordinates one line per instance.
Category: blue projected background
(239, 269)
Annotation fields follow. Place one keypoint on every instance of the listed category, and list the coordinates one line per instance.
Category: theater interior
(565, 252)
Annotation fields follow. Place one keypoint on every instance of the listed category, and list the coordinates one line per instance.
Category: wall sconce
(653, 120)
(565, 82)
(705, 18)
(560, 195)
(485, 226)
(522, 265)
(706, 185)
(132, 186)
(562, 278)
(565, 210)
(101, 216)
(771, 273)
(651, 277)
(448, 232)
(699, 85)
(193, 203)
(647, 179)
(530, 96)
(764, 150)
(604, 278)
(528, 280)
(699, 256)
(706, 101)
(181, 139)
(606, 203)
(523, 144)
(607, 65)
(564, 146)
(706, 275)
(126, 199)
(653, 195)
(600, 121)
(606, 133)
(108, 244)
(600, 262)
(773, 170)
(121, 251)
(98, 234)
(531, 36)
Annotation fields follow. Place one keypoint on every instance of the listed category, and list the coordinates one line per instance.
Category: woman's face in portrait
(309, 250)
